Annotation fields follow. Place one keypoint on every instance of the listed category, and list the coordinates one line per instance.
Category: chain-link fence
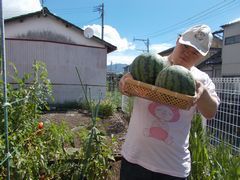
(226, 125)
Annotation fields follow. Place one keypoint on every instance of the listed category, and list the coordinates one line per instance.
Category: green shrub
(115, 97)
(31, 148)
(106, 108)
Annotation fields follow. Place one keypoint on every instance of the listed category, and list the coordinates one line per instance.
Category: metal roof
(46, 12)
(230, 23)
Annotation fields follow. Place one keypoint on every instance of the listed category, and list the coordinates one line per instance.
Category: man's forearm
(207, 105)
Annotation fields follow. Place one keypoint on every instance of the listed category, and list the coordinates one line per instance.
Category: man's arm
(206, 103)
(122, 82)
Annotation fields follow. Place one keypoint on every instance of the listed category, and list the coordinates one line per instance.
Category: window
(232, 40)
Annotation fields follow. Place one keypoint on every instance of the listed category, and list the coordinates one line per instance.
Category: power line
(189, 23)
(217, 14)
(186, 20)
(90, 21)
(75, 8)
(198, 16)
(222, 12)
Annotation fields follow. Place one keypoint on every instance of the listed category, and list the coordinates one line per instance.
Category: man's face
(186, 56)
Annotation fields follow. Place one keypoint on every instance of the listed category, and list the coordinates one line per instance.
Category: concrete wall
(231, 52)
(61, 60)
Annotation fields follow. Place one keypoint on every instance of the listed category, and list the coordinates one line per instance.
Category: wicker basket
(157, 94)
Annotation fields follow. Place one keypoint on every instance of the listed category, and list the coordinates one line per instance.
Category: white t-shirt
(158, 135)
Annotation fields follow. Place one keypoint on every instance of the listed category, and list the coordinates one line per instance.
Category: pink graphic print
(159, 128)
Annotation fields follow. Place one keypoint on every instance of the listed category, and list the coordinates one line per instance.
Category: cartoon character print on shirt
(159, 128)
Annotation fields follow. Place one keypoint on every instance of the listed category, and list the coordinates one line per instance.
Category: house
(62, 46)
(212, 65)
(231, 50)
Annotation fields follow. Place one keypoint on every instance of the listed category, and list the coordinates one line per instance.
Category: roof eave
(229, 24)
(45, 11)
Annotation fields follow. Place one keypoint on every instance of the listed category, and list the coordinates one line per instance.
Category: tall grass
(211, 162)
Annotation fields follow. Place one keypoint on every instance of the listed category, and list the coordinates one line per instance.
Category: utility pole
(42, 3)
(100, 9)
(146, 42)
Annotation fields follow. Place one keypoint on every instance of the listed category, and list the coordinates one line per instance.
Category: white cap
(199, 37)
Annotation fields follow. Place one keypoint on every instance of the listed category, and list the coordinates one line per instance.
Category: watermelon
(178, 79)
(146, 67)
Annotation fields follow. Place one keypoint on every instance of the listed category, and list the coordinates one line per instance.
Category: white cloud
(122, 55)
(112, 36)
(120, 58)
(18, 7)
(157, 48)
(128, 57)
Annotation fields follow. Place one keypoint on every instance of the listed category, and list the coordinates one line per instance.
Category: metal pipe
(4, 77)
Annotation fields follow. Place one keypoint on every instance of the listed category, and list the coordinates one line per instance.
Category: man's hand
(122, 82)
(206, 104)
(199, 90)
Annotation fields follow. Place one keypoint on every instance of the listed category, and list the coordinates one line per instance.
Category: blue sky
(124, 20)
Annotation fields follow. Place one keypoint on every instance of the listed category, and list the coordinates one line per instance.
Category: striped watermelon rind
(178, 79)
(146, 67)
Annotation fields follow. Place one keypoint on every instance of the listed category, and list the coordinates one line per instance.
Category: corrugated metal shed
(62, 46)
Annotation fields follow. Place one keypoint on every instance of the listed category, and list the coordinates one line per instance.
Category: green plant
(211, 162)
(97, 156)
(28, 97)
(115, 98)
(95, 152)
(106, 107)
(199, 150)
(41, 152)
(128, 106)
(35, 152)
(31, 148)
(84, 105)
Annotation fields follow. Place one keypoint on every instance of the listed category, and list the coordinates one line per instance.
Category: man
(157, 141)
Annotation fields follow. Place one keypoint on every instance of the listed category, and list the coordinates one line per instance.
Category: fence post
(5, 99)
